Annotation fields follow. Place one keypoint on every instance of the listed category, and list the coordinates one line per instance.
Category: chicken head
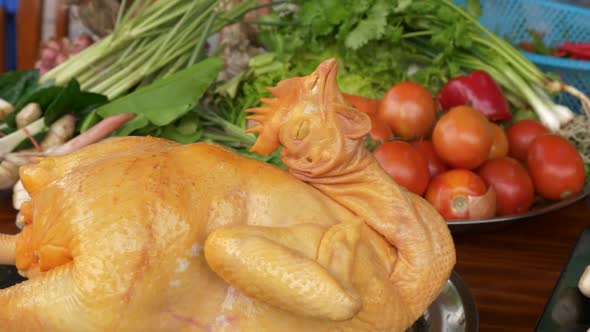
(143, 234)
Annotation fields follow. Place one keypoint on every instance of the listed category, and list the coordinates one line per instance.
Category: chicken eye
(302, 130)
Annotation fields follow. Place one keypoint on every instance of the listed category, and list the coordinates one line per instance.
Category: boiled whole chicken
(143, 234)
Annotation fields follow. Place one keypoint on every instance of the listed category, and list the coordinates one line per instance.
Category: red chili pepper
(576, 51)
(478, 89)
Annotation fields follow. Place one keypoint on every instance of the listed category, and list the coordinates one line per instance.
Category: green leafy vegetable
(371, 28)
(43, 95)
(378, 43)
(167, 99)
(72, 100)
(14, 84)
(188, 129)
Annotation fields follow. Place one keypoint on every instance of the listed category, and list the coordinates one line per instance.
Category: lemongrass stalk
(122, 76)
(198, 51)
(180, 63)
(77, 62)
(175, 30)
(81, 62)
(139, 11)
(171, 16)
(192, 32)
(134, 51)
(116, 70)
(108, 45)
(122, 7)
(154, 9)
(98, 71)
(118, 81)
(182, 41)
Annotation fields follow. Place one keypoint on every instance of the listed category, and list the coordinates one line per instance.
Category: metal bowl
(539, 208)
(454, 310)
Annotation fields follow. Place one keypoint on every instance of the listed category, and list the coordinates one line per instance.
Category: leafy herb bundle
(381, 42)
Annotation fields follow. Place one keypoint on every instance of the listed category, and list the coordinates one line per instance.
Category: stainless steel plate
(539, 208)
(454, 310)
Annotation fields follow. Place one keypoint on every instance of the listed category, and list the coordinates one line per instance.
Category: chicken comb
(269, 118)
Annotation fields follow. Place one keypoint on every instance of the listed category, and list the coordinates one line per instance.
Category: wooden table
(511, 272)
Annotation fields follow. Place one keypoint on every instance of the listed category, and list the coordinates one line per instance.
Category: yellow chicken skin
(143, 234)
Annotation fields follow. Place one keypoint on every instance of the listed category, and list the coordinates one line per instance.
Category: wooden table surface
(511, 272)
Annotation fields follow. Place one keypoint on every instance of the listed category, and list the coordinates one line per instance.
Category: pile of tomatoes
(465, 165)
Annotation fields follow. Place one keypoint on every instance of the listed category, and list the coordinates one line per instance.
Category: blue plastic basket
(557, 22)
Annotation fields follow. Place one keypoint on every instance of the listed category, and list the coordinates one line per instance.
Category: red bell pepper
(479, 90)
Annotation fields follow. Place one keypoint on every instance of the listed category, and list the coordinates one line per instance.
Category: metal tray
(540, 208)
(453, 310)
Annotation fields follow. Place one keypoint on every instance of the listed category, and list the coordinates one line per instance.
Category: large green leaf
(188, 129)
(166, 100)
(14, 84)
(72, 100)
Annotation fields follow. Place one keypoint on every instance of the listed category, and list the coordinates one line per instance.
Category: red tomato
(409, 110)
(520, 136)
(499, 143)
(404, 164)
(462, 137)
(452, 193)
(556, 167)
(435, 164)
(511, 182)
(380, 132)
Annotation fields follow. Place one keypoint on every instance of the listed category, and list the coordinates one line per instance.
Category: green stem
(171, 16)
(122, 7)
(417, 34)
(498, 43)
(174, 32)
(267, 5)
(199, 48)
(92, 52)
(223, 138)
(517, 62)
